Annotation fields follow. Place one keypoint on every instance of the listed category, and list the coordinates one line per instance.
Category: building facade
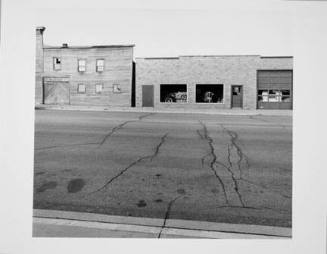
(215, 82)
(108, 76)
(78, 75)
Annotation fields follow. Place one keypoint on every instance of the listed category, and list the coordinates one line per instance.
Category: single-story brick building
(242, 81)
(107, 75)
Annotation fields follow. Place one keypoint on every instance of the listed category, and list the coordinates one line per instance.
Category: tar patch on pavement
(46, 186)
(141, 203)
(158, 175)
(159, 200)
(39, 173)
(75, 185)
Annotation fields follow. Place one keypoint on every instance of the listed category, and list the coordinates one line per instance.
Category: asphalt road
(220, 168)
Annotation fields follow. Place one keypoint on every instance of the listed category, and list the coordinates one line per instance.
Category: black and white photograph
(140, 126)
(135, 139)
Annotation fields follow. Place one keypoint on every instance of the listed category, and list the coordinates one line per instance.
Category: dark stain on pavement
(46, 186)
(75, 185)
(39, 173)
(159, 200)
(141, 203)
(214, 190)
(158, 175)
(181, 191)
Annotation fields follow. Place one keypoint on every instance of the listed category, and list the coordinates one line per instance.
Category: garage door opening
(274, 89)
(173, 93)
(209, 93)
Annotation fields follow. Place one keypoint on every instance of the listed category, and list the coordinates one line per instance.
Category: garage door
(275, 89)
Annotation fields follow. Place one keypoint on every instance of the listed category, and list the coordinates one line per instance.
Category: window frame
(78, 90)
(180, 102)
(54, 64)
(102, 86)
(210, 103)
(119, 88)
(269, 95)
(97, 66)
(78, 65)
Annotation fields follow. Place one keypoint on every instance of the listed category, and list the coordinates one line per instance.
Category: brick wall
(117, 70)
(192, 70)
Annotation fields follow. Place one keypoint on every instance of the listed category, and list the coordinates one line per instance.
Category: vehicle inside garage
(209, 93)
(173, 93)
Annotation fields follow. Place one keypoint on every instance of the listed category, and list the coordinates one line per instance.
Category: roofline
(276, 56)
(185, 56)
(90, 47)
(182, 56)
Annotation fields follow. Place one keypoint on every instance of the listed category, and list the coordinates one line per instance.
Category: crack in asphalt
(108, 135)
(68, 145)
(242, 157)
(120, 126)
(147, 157)
(167, 214)
(213, 155)
(236, 187)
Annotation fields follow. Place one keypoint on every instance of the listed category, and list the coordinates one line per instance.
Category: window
(100, 65)
(81, 88)
(98, 88)
(116, 88)
(81, 65)
(209, 93)
(56, 63)
(274, 95)
(173, 93)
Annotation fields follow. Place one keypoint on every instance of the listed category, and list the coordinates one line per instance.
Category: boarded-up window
(116, 88)
(98, 88)
(56, 63)
(100, 65)
(81, 65)
(81, 88)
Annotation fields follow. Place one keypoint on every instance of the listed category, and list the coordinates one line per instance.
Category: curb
(177, 111)
(159, 227)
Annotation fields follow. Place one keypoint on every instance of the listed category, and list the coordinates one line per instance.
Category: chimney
(64, 45)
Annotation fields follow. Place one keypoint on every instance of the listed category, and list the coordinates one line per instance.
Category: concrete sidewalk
(172, 110)
(53, 223)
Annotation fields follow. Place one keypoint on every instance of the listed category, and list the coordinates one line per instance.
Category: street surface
(218, 168)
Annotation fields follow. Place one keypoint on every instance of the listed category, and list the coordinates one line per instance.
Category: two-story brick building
(83, 75)
(107, 76)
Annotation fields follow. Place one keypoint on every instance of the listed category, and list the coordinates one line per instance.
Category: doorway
(237, 96)
(147, 96)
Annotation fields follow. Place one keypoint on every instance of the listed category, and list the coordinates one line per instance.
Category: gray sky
(265, 30)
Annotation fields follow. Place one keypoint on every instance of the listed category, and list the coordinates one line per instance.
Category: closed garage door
(275, 89)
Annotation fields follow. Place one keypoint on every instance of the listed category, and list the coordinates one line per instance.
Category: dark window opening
(274, 95)
(209, 93)
(173, 93)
